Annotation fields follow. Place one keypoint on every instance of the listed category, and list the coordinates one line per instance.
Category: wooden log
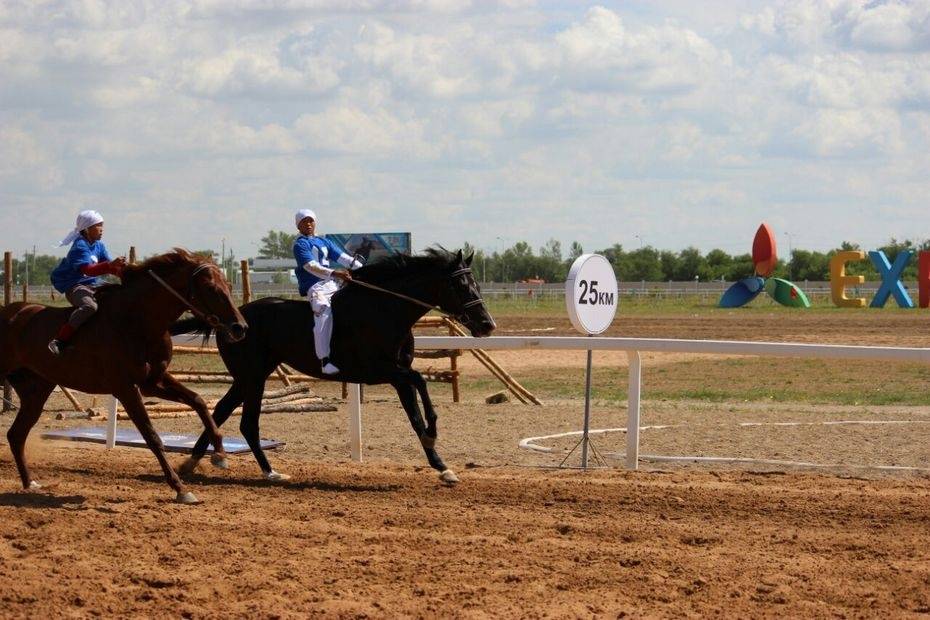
(73, 415)
(509, 382)
(293, 389)
(70, 396)
(157, 414)
(180, 348)
(203, 378)
(299, 408)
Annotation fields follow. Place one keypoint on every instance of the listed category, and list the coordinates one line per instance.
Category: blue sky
(668, 123)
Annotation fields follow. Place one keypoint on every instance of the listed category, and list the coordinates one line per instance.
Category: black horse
(372, 342)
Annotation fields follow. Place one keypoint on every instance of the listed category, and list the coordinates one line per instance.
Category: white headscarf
(85, 220)
(302, 214)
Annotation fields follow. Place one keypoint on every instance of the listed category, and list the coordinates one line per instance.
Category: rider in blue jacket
(76, 274)
(317, 280)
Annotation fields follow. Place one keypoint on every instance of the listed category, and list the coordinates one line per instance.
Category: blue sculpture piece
(891, 278)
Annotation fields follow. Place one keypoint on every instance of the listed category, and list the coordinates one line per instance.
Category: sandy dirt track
(388, 540)
(516, 538)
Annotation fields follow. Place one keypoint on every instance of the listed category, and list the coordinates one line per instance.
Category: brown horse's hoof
(34, 486)
(187, 498)
(448, 476)
(218, 459)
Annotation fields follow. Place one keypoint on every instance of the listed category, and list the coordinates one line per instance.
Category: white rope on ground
(530, 443)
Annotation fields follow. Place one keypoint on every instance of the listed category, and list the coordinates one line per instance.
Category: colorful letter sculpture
(923, 278)
(765, 259)
(891, 279)
(839, 280)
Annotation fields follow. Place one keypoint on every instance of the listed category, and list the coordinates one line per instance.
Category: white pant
(319, 297)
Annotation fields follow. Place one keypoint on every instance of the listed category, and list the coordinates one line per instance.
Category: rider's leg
(82, 298)
(319, 296)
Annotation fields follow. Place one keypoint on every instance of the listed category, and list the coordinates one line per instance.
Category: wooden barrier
(294, 399)
(246, 282)
(7, 298)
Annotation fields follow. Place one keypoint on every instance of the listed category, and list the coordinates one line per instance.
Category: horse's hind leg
(171, 389)
(132, 402)
(224, 409)
(408, 398)
(251, 411)
(33, 391)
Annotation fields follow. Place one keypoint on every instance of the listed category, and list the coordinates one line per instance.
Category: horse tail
(192, 325)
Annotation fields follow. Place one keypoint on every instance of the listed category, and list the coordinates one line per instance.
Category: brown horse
(123, 350)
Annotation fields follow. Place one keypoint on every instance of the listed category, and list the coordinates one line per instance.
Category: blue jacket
(319, 250)
(68, 274)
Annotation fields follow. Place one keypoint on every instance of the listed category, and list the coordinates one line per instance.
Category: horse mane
(160, 264)
(392, 266)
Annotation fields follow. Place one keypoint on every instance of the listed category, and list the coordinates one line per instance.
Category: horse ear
(468, 259)
(458, 255)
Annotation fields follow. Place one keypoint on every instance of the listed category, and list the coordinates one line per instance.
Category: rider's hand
(343, 275)
(117, 265)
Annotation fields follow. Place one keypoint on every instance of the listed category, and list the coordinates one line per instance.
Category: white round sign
(591, 294)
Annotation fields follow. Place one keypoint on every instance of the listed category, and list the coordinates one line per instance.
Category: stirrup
(328, 367)
(56, 346)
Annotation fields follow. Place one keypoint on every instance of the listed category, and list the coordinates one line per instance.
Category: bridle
(211, 319)
(460, 317)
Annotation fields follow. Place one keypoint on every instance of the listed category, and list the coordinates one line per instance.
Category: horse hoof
(188, 466)
(273, 476)
(448, 476)
(219, 461)
(187, 498)
(34, 486)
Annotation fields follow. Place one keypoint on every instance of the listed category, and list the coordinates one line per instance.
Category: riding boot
(60, 341)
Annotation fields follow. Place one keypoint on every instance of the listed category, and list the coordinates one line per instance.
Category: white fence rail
(633, 347)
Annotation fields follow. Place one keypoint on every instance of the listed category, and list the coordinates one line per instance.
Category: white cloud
(601, 53)
(462, 120)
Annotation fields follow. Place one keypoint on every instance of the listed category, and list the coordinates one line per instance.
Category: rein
(413, 300)
(211, 319)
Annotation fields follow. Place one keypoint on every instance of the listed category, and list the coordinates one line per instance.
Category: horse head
(197, 283)
(460, 296)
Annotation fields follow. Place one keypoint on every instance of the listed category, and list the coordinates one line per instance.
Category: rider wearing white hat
(76, 274)
(317, 281)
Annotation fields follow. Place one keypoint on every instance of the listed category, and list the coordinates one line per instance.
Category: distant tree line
(519, 263)
(549, 263)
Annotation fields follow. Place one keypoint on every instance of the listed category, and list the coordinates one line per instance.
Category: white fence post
(355, 421)
(632, 416)
(111, 424)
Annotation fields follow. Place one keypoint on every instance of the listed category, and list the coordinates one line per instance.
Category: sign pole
(591, 298)
(587, 413)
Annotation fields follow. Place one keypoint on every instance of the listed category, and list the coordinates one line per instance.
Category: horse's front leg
(431, 418)
(132, 402)
(404, 384)
(169, 388)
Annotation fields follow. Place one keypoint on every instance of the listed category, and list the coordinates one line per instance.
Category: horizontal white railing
(633, 347)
